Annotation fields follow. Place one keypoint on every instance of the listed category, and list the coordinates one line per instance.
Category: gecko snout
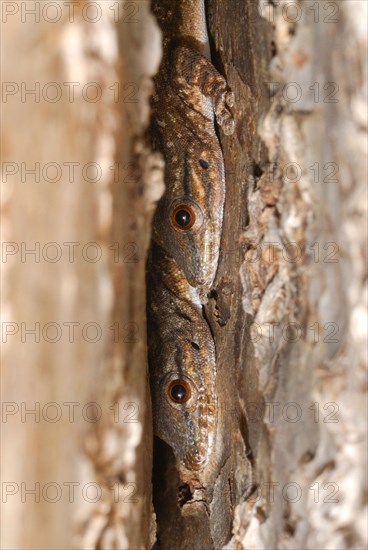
(195, 460)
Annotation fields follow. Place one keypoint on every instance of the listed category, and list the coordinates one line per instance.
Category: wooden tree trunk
(83, 371)
(288, 311)
(297, 167)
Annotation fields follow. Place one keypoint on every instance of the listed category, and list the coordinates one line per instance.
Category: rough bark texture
(289, 308)
(300, 369)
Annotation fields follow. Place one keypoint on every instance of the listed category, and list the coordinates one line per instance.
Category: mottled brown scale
(180, 348)
(196, 77)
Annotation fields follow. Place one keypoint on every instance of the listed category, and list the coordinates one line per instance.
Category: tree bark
(85, 452)
(299, 367)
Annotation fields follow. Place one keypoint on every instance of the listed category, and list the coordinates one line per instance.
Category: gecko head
(184, 413)
(188, 219)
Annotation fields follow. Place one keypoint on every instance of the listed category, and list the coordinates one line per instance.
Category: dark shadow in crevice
(168, 496)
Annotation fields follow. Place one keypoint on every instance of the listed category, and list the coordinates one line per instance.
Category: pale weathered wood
(108, 461)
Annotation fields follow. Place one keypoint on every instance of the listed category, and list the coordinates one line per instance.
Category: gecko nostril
(204, 163)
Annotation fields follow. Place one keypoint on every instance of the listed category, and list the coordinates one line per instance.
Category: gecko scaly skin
(182, 354)
(189, 92)
(189, 95)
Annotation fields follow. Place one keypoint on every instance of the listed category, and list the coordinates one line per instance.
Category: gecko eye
(204, 163)
(185, 214)
(183, 217)
(179, 391)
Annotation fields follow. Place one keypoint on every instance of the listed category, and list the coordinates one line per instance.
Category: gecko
(182, 354)
(190, 98)
(190, 94)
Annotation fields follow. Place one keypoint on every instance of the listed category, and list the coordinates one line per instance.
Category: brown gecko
(183, 365)
(189, 95)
